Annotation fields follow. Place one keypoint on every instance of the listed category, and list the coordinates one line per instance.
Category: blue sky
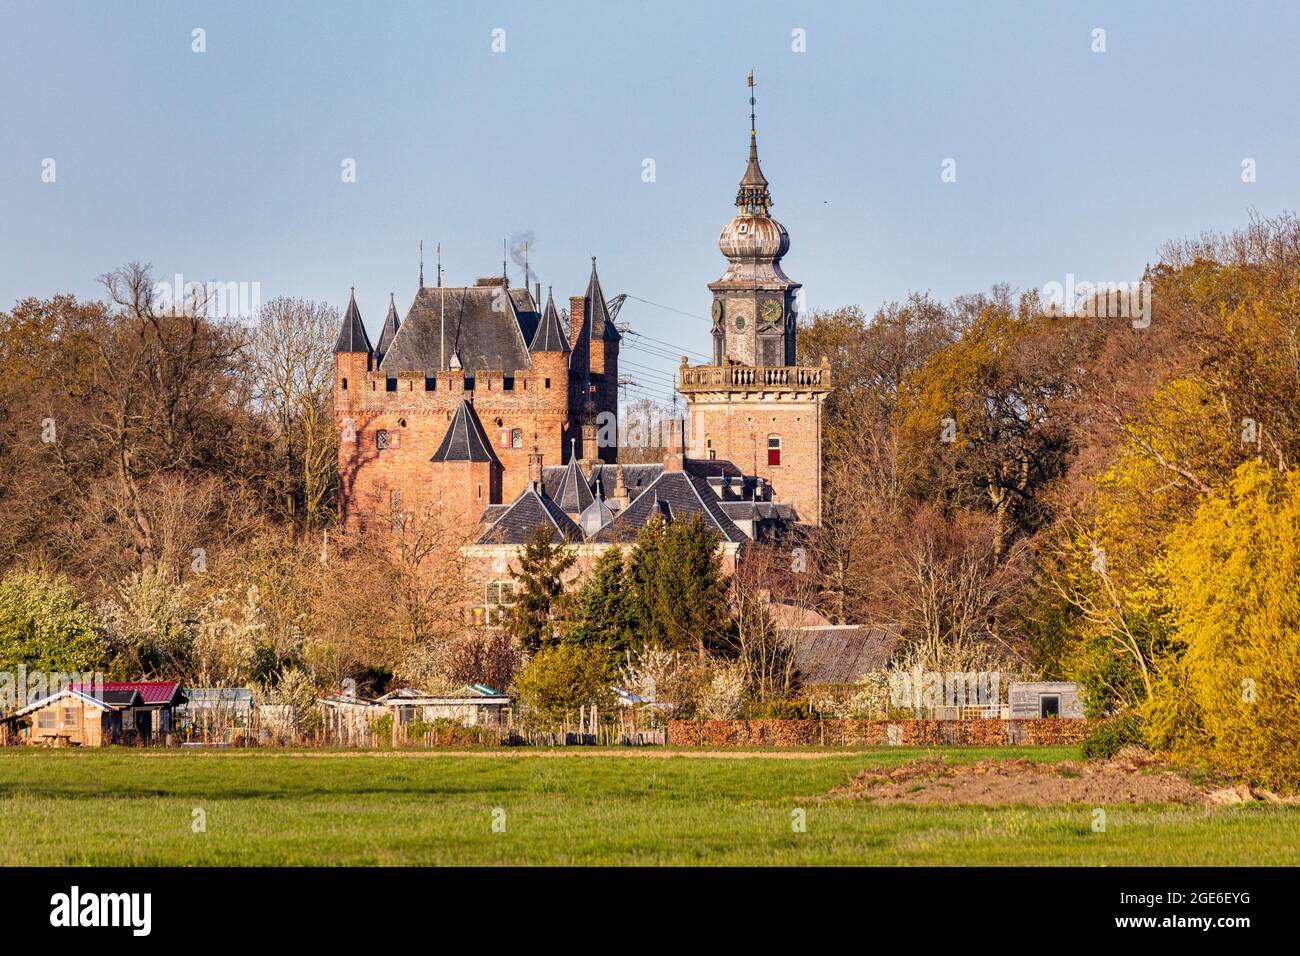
(227, 164)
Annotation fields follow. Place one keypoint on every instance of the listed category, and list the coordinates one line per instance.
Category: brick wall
(790, 733)
(418, 415)
(738, 426)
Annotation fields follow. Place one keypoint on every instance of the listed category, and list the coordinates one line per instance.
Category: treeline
(1101, 499)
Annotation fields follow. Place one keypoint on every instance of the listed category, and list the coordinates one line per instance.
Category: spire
(352, 335)
(600, 325)
(421, 263)
(753, 199)
(549, 336)
(391, 324)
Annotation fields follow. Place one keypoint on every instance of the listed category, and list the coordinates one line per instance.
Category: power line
(669, 308)
(650, 369)
(671, 345)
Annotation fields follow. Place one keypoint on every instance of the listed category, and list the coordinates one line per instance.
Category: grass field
(129, 808)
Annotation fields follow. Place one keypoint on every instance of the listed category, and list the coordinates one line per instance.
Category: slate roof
(477, 335)
(465, 439)
(841, 654)
(674, 494)
(758, 510)
(573, 493)
(150, 691)
(518, 522)
(639, 477)
(352, 334)
(601, 322)
(549, 336)
(391, 325)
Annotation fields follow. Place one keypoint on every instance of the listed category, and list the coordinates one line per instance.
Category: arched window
(774, 449)
(345, 385)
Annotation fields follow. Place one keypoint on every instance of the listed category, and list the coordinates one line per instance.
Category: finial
(753, 127)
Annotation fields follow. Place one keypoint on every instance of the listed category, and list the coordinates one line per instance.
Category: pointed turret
(573, 493)
(600, 323)
(391, 324)
(549, 336)
(352, 335)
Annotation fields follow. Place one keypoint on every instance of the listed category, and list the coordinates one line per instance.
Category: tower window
(548, 383)
(390, 384)
(345, 385)
(381, 440)
(516, 438)
(774, 449)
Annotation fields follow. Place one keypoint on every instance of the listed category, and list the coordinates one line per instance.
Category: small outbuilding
(475, 705)
(1031, 699)
(73, 717)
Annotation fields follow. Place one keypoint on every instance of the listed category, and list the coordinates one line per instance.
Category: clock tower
(754, 406)
(754, 300)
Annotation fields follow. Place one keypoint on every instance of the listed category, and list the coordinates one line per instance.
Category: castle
(486, 405)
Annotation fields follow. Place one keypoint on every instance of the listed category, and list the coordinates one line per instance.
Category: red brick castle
(484, 405)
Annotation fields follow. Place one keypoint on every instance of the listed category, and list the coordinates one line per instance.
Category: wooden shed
(74, 718)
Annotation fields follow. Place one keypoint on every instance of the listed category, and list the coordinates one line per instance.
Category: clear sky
(227, 164)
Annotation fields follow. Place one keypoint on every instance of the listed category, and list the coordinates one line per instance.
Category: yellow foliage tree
(1232, 698)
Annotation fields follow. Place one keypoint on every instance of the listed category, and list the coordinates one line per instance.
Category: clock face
(717, 309)
(771, 310)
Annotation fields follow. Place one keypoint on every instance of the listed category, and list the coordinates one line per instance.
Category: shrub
(785, 709)
(1111, 736)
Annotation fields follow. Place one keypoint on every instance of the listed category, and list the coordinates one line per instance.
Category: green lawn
(129, 808)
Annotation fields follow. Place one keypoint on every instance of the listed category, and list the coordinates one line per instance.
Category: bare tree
(291, 360)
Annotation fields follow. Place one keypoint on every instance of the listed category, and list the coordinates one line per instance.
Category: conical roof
(465, 439)
(352, 334)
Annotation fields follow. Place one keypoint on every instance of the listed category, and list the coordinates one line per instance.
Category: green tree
(601, 612)
(563, 677)
(539, 589)
(45, 626)
(677, 589)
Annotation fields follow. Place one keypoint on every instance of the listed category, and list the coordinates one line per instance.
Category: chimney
(619, 500)
(590, 457)
(537, 295)
(675, 453)
(535, 466)
(577, 314)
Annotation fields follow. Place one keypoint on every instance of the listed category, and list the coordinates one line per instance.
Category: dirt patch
(1131, 780)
